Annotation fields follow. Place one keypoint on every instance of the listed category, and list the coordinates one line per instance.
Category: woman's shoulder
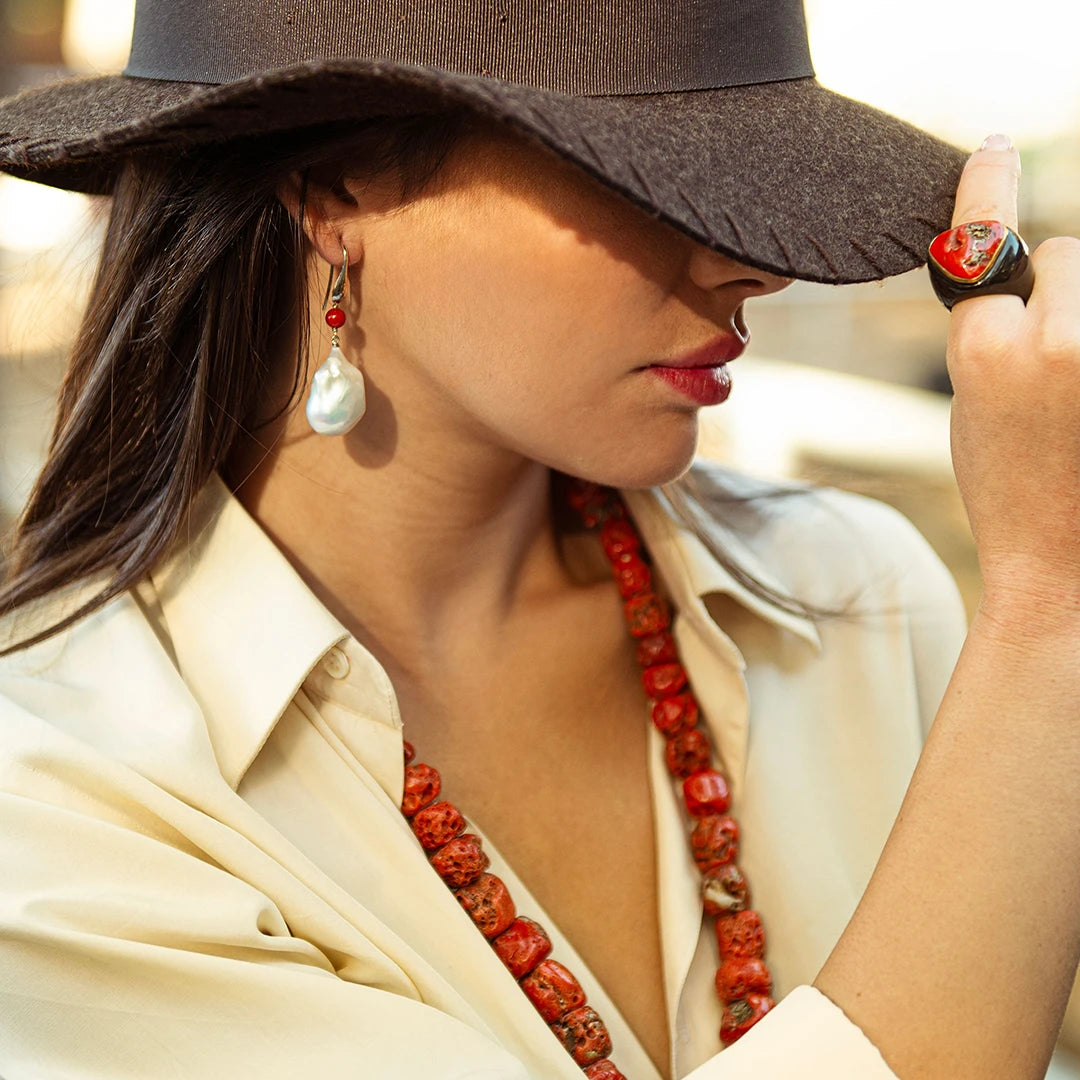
(38, 618)
(773, 507)
(827, 548)
(106, 679)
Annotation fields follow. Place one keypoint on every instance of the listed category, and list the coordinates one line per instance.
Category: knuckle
(978, 341)
(992, 169)
(1058, 248)
(980, 164)
(1057, 342)
(988, 190)
(981, 170)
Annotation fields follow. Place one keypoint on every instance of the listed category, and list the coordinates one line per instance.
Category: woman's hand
(1016, 416)
(961, 955)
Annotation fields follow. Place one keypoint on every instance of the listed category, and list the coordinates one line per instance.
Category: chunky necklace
(743, 981)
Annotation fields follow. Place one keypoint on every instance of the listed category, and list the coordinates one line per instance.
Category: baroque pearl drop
(337, 399)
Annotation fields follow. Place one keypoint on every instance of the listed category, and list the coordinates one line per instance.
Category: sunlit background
(841, 385)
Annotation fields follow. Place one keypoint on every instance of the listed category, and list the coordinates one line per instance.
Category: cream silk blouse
(204, 872)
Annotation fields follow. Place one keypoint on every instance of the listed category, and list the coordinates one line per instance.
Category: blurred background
(841, 385)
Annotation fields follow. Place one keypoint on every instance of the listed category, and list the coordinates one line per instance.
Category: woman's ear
(320, 210)
(290, 192)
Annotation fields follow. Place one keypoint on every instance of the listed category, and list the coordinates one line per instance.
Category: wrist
(1038, 618)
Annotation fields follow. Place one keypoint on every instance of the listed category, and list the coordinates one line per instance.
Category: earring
(337, 399)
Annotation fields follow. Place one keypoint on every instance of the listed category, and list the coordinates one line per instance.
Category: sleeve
(901, 577)
(805, 1037)
(123, 957)
(937, 620)
(154, 963)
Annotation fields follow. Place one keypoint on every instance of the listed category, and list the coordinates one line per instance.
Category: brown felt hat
(705, 113)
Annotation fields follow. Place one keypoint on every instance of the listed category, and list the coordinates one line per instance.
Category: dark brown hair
(202, 270)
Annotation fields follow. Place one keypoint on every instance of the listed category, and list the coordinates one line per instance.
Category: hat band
(569, 46)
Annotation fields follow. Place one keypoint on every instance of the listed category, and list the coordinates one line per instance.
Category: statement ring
(979, 258)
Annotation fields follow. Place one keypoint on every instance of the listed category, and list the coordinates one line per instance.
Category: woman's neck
(425, 553)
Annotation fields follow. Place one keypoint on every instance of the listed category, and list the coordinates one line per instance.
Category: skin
(501, 321)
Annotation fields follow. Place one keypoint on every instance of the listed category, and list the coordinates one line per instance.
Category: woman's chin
(649, 460)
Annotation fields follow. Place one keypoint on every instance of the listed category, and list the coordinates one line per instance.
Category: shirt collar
(246, 630)
(678, 548)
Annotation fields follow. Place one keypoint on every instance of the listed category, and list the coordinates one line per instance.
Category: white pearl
(337, 399)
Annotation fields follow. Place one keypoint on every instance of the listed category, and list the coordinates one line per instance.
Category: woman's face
(519, 303)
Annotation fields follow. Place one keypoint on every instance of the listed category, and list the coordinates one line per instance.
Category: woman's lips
(705, 385)
(718, 350)
(701, 374)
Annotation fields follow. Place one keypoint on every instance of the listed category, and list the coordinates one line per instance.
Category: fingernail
(996, 142)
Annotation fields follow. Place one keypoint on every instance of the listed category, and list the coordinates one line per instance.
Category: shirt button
(336, 663)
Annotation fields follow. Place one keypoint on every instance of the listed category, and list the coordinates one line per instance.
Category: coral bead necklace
(743, 982)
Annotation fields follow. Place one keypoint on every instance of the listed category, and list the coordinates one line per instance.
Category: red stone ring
(979, 258)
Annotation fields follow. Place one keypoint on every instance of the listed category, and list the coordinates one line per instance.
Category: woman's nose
(713, 270)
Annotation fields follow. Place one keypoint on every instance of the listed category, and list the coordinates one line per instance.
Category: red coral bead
(706, 792)
(738, 976)
(595, 503)
(687, 752)
(581, 492)
(725, 889)
(461, 861)
(632, 575)
(553, 990)
(714, 841)
(603, 1070)
(646, 614)
(584, 1035)
(437, 824)
(335, 317)
(422, 784)
(968, 251)
(663, 680)
(740, 1016)
(488, 902)
(656, 649)
(740, 934)
(673, 714)
(609, 510)
(618, 536)
(409, 749)
(521, 946)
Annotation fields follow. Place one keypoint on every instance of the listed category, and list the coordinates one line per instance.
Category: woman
(223, 626)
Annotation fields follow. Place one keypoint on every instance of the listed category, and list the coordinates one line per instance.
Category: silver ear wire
(335, 290)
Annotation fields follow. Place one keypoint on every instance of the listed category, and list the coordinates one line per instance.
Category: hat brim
(786, 176)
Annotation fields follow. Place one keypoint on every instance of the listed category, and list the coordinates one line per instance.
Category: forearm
(959, 960)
